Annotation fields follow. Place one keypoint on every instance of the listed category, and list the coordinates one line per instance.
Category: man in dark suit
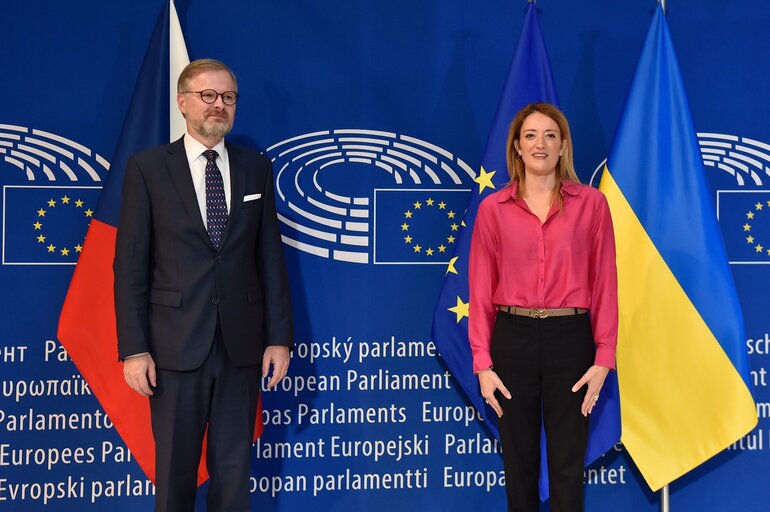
(201, 294)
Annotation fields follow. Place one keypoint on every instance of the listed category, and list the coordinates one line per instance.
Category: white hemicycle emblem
(326, 183)
(746, 159)
(47, 157)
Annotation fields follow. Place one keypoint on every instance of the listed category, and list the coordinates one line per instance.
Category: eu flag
(682, 363)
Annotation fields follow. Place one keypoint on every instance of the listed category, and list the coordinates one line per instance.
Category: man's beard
(214, 129)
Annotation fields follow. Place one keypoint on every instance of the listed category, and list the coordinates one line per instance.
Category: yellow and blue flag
(530, 80)
(682, 365)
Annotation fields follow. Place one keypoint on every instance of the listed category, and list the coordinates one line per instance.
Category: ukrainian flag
(682, 366)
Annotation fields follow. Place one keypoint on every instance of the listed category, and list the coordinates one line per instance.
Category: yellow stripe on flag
(676, 383)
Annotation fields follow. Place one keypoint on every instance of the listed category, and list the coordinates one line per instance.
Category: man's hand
(139, 372)
(278, 356)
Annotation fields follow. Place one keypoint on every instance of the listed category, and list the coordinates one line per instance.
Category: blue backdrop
(367, 109)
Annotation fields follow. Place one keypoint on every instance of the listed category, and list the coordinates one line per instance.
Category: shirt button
(215, 300)
(541, 279)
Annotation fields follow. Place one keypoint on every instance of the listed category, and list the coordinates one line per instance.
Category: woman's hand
(490, 382)
(594, 377)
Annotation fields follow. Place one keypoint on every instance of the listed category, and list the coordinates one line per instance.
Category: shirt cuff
(605, 356)
(135, 355)
(481, 361)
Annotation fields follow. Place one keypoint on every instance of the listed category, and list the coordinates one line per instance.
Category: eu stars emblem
(744, 217)
(417, 226)
(46, 225)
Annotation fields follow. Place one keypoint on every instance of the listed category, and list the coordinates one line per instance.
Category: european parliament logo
(743, 212)
(48, 208)
(367, 196)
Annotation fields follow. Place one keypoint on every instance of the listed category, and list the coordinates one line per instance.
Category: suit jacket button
(215, 300)
(218, 259)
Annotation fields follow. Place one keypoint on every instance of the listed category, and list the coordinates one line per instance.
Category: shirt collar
(194, 149)
(568, 188)
(509, 192)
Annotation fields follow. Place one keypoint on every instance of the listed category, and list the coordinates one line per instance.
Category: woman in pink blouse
(543, 308)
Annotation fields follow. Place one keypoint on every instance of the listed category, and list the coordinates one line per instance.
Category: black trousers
(539, 360)
(218, 396)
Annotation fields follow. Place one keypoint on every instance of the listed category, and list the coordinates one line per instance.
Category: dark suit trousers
(217, 395)
(539, 360)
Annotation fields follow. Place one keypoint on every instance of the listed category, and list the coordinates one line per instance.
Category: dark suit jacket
(170, 282)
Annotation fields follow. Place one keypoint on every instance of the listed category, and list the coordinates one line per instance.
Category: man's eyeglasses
(210, 96)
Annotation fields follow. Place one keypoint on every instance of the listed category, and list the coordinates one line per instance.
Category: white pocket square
(251, 197)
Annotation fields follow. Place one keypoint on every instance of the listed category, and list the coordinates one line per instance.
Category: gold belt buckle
(538, 313)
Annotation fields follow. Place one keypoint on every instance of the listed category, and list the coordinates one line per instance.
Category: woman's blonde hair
(565, 169)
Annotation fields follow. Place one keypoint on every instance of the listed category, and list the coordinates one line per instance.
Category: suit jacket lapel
(179, 169)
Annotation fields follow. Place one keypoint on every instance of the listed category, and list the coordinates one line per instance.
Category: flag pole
(664, 503)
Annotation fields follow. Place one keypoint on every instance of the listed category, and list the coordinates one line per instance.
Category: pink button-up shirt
(568, 261)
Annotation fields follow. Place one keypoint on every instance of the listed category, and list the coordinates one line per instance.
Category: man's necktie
(216, 206)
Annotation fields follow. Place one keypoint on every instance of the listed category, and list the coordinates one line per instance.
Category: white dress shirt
(197, 161)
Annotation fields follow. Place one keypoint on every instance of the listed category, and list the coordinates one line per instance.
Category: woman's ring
(596, 398)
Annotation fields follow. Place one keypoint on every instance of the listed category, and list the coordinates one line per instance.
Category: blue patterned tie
(216, 206)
